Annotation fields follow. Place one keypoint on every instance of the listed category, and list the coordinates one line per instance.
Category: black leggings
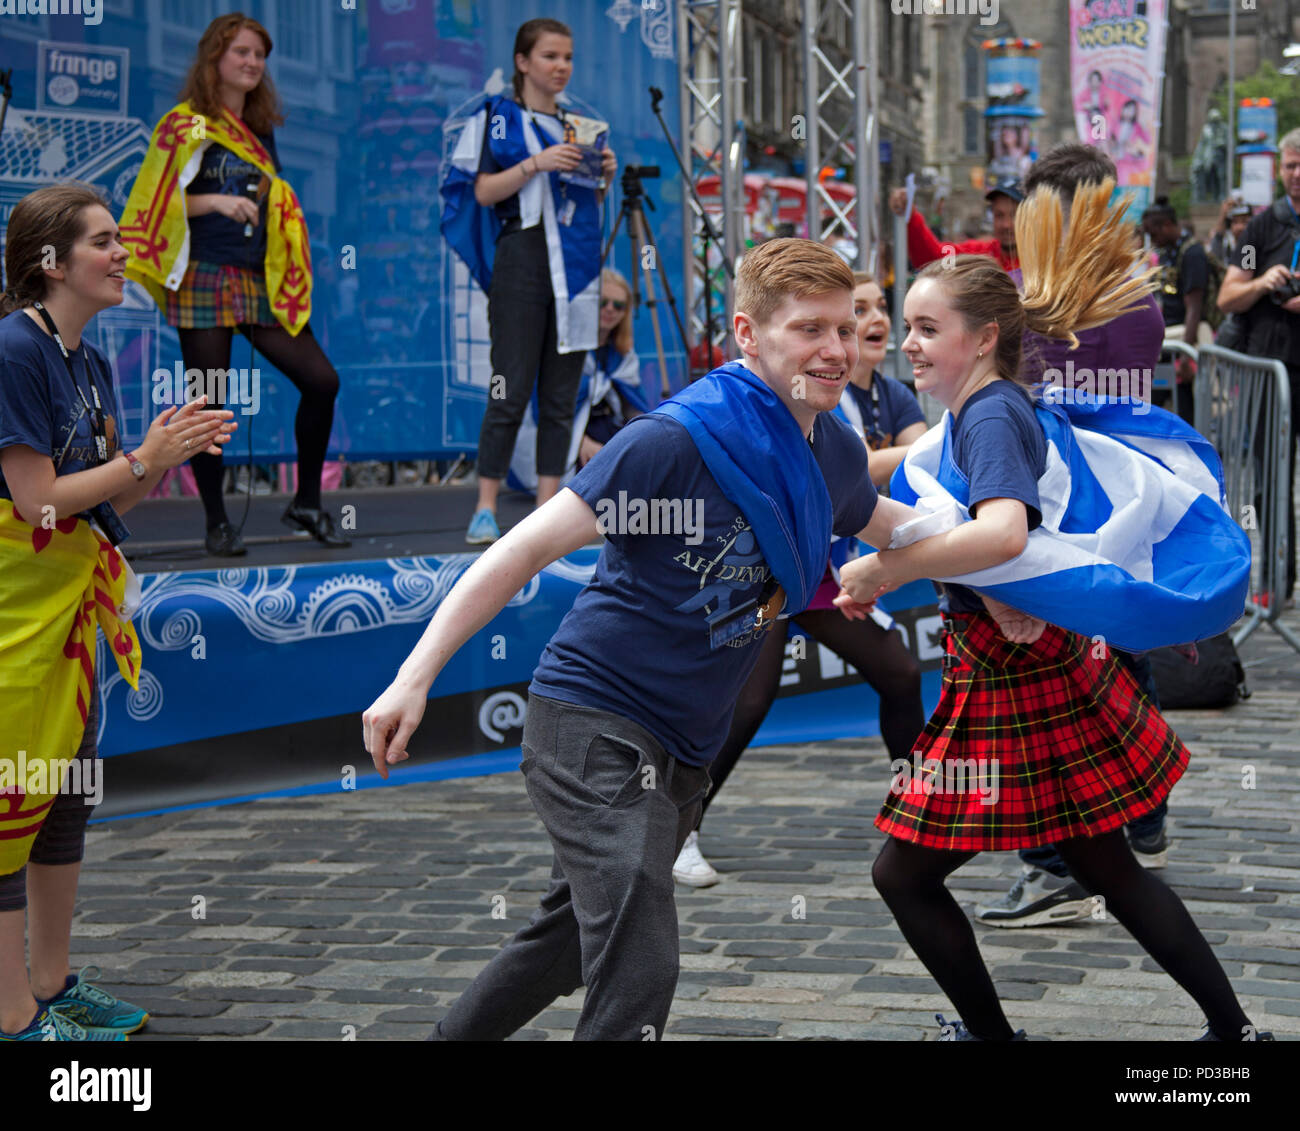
(301, 360)
(880, 658)
(62, 835)
(911, 880)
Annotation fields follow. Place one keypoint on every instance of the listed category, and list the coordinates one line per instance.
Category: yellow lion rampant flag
(155, 229)
(60, 586)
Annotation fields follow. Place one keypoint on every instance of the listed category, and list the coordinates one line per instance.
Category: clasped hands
(865, 580)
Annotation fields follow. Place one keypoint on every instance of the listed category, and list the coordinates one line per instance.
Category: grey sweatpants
(617, 807)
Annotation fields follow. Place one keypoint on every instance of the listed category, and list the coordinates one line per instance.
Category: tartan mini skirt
(217, 294)
(1030, 744)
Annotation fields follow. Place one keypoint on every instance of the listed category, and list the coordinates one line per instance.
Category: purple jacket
(1131, 341)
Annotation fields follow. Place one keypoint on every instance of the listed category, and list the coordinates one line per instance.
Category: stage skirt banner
(1117, 66)
(254, 680)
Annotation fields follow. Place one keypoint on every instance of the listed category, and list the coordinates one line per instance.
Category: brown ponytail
(49, 218)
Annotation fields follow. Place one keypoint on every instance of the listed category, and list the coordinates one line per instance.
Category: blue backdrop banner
(366, 90)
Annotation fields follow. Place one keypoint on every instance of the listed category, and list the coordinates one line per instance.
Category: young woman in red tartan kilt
(1040, 735)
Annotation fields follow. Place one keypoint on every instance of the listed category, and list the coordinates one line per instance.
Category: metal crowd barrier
(1243, 407)
(1163, 377)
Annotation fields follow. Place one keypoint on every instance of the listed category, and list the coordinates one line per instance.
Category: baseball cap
(1006, 186)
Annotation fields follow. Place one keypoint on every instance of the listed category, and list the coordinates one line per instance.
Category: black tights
(911, 880)
(880, 657)
(301, 360)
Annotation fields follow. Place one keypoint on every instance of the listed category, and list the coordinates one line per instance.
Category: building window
(973, 68)
(971, 130)
(187, 13)
(341, 41)
(297, 31)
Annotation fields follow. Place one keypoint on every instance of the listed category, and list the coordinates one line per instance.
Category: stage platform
(256, 669)
(167, 534)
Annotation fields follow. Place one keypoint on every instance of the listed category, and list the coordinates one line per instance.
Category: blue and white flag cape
(623, 378)
(1135, 545)
(471, 230)
(764, 464)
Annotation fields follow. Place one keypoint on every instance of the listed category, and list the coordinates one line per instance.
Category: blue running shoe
(482, 528)
(50, 1025)
(92, 1008)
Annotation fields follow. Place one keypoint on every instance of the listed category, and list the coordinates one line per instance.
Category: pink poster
(1117, 64)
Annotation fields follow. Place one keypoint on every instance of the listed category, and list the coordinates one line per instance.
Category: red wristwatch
(137, 468)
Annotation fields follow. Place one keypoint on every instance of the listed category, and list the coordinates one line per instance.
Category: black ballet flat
(223, 542)
(316, 522)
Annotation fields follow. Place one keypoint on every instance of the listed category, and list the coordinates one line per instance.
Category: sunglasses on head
(617, 304)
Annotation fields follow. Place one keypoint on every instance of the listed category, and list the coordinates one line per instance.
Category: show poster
(1117, 66)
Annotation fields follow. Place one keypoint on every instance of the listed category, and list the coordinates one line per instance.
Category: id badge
(726, 626)
(566, 213)
(115, 530)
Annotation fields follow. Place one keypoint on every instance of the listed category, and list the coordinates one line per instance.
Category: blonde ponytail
(1087, 276)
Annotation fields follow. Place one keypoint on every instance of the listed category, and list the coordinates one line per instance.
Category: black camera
(1287, 291)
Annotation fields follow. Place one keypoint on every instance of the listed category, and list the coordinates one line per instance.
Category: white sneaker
(691, 867)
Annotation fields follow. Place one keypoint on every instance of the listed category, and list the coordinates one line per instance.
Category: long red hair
(202, 88)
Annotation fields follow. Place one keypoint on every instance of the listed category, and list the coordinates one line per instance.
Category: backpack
(1210, 311)
(1217, 679)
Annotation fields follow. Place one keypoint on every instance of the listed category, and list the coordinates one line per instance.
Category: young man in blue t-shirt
(717, 507)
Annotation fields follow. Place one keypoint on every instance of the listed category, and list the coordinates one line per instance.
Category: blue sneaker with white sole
(482, 528)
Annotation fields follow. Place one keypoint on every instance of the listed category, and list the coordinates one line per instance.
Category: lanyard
(96, 414)
(874, 433)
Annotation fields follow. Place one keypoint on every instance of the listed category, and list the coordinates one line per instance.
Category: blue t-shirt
(38, 405)
(636, 642)
(998, 444)
(215, 238)
(889, 408)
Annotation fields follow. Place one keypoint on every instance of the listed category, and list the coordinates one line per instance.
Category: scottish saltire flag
(1135, 544)
(568, 213)
(623, 377)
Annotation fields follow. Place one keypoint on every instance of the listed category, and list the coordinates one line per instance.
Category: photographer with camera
(1262, 287)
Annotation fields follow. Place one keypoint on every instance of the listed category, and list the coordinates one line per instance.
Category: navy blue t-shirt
(896, 406)
(998, 444)
(38, 405)
(636, 642)
(508, 209)
(215, 238)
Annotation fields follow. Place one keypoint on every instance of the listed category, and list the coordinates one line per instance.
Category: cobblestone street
(373, 910)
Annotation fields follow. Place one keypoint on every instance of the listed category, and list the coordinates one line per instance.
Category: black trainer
(316, 522)
(1150, 851)
(223, 542)
(1247, 1035)
(957, 1031)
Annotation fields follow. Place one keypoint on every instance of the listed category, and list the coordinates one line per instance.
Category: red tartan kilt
(1030, 744)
